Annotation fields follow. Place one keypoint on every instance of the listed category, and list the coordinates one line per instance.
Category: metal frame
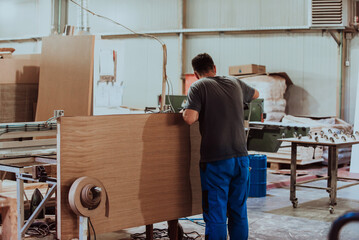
(332, 177)
(83, 228)
(21, 175)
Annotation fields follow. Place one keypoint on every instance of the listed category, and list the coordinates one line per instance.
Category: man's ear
(214, 69)
(197, 75)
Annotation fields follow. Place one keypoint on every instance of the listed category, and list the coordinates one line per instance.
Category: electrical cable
(169, 99)
(195, 220)
(249, 118)
(164, 47)
(163, 233)
(41, 229)
(93, 229)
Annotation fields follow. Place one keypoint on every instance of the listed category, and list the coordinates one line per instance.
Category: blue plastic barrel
(258, 175)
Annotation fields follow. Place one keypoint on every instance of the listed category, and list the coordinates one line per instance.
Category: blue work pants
(225, 188)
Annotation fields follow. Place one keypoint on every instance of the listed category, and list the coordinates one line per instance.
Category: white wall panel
(140, 15)
(321, 67)
(283, 13)
(19, 18)
(311, 61)
(140, 67)
(246, 13)
(352, 75)
(30, 47)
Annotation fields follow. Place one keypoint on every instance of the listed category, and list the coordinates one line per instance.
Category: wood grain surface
(66, 76)
(143, 160)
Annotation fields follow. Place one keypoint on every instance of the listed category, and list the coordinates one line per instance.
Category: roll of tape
(88, 197)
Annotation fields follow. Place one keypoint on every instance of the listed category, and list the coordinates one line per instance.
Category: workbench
(332, 178)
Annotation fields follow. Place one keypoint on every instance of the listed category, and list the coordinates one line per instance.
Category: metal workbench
(332, 177)
(17, 156)
(23, 173)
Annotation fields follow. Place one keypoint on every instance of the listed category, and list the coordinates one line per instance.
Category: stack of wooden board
(19, 87)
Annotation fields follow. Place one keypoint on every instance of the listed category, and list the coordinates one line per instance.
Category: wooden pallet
(276, 164)
(280, 160)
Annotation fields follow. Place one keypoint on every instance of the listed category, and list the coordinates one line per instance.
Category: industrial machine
(254, 111)
(177, 102)
(264, 137)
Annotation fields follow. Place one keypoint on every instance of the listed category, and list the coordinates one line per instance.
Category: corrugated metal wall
(246, 13)
(140, 68)
(310, 59)
(20, 18)
(352, 78)
(139, 15)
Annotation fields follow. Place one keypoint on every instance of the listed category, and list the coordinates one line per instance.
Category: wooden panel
(195, 138)
(20, 69)
(66, 76)
(17, 102)
(9, 219)
(143, 160)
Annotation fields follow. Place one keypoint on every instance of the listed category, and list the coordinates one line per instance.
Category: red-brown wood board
(144, 162)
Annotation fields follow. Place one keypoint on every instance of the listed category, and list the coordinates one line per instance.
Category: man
(217, 103)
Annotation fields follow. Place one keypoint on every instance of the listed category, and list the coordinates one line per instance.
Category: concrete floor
(273, 217)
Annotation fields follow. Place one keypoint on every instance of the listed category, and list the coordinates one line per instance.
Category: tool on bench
(39, 172)
(36, 199)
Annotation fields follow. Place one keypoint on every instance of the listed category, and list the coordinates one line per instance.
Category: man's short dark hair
(202, 63)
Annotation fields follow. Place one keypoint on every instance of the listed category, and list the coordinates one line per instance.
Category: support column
(182, 5)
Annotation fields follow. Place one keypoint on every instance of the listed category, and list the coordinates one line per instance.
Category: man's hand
(190, 116)
(256, 94)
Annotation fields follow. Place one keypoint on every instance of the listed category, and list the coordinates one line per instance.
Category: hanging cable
(93, 229)
(164, 47)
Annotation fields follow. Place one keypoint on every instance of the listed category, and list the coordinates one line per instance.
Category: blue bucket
(258, 175)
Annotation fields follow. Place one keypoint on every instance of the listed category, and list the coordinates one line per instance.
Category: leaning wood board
(66, 76)
(143, 160)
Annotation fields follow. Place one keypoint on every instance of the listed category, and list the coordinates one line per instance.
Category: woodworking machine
(263, 136)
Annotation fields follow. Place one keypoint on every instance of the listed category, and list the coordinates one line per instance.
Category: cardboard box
(246, 69)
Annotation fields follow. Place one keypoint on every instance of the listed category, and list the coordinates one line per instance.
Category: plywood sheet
(66, 76)
(143, 160)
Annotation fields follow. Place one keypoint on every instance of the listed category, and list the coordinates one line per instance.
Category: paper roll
(83, 202)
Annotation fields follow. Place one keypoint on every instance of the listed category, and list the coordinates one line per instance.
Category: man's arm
(190, 116)
(256, 94)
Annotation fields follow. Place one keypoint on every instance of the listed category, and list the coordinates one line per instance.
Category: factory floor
(272, 217)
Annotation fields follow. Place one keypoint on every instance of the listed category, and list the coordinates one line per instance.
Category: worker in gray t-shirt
(217, 103)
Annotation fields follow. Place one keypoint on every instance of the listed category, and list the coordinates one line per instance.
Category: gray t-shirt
(220, 102)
